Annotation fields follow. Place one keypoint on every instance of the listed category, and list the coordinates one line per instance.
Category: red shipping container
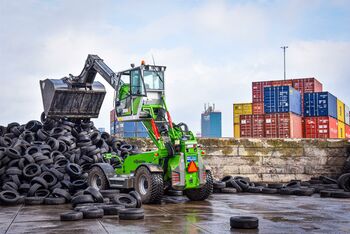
(347, 131)
(283, 125)
(258, 129)
(246, 126)
(321, 127)
(282, 83)
(258, 90)
(307, 85)
(258, 108)
(271, 125)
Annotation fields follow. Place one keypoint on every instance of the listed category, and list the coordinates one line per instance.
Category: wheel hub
(143, 185)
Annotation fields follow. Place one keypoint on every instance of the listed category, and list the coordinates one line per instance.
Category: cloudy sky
(213, 50)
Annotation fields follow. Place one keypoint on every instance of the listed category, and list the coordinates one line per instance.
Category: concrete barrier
(271, 160)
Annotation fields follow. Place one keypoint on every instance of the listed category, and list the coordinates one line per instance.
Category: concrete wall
(271, 160)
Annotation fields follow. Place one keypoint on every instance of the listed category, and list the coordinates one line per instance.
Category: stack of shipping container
(293, 108)
(126, 129)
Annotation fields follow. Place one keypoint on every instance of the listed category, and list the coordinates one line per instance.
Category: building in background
(211, 122)
(126, 129)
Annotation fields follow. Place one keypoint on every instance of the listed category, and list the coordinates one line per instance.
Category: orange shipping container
(347, 131)
(258, 108)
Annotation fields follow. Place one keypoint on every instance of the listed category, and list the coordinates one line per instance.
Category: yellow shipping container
(241, 109)
(236, 130)
(341, 129)
(341, 111)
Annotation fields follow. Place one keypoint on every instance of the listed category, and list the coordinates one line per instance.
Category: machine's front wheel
(149, 185)
(202, 193)
(97, 179)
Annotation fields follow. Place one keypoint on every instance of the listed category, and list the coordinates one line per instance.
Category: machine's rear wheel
(149, 185)
(202, 193)
(98, 179)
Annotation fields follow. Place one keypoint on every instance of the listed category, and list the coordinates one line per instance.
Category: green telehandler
(139, 96)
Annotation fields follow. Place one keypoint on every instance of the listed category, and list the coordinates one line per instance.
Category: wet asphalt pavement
(277, 214)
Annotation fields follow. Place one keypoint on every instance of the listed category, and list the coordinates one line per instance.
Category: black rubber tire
(154, 183)
(227, 180)
(202, 193)
(339, 194)
(254, 189)
(13, 171)
(9, 197)
(97, 179)
(39, 180)
(31, 170)
(34, 200)
(287, 191)
(42, 193)
(229, 190)
(109, 193)
(33, 189)
(111, 209)
(275, 186)
(78, 185)
(86, 198)
(50, 178)
(344, 182)
(54, 200)
(328, 180)
(58, 192)
(173, 192)
(93, 213)
(13, 153)
(233, 184)
(94, 193)
(219, 185)
(125, 200)
(326, 193)
(304, 191)
(131, 214)
(269, 190)
(244, 222)
(243, 184)
(138, 198)
(71, 216)
(73, 170)
(293, 184)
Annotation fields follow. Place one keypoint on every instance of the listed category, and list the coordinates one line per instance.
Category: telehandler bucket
(61, 100)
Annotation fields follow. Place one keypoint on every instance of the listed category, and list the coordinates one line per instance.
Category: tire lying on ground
(93, 213)
(131, 214)
(71, 216)
(54, 200)
(229, 190)
(244, 222)
(86, 198)
(9, 197)
(34, 200)
(340, 194)
(138, 198)
(125, 200)
(269, 190)
(111, 209)
(219, 185)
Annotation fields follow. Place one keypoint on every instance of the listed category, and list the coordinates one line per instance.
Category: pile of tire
(325, 186)
(94, 204)
(47, 162)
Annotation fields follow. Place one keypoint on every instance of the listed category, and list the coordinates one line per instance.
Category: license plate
(191, 158)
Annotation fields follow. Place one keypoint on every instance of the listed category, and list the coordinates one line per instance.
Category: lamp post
(284, 60)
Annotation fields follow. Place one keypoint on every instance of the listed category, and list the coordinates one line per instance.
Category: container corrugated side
(321, 127)
(347, 115)
(246, 126)
(271, 126)
(347, 131)
(340, 111)
(320, 104)
(236, 130)
(258, 90)
(241, 109)
(341, 129)
(258, 108)
(282, 99)
(258, 128)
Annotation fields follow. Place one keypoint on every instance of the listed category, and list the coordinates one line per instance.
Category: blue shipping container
(320, 104)
(211, 124)
(282, 99)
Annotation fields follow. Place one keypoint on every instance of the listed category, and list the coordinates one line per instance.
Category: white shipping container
(347, 115)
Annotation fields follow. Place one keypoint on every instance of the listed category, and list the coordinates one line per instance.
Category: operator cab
(143, 85)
